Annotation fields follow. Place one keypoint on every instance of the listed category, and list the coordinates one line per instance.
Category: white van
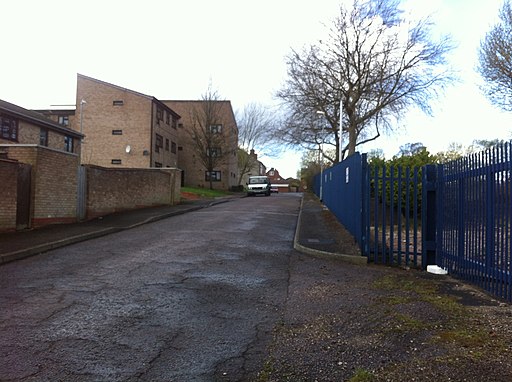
(258, 185)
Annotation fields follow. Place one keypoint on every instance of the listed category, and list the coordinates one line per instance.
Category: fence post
(428, 216)
(365, 206)
(439, 215)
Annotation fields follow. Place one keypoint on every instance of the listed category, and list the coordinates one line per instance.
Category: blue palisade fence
(457, 215)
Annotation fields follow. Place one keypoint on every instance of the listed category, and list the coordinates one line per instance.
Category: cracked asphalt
(194, 297)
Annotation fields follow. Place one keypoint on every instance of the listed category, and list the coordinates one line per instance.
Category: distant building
(192, 148)
(256, 167)
(283, 185)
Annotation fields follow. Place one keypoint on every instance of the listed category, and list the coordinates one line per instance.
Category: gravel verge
(346, 322)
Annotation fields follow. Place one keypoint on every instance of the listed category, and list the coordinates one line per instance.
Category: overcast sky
(173, 49)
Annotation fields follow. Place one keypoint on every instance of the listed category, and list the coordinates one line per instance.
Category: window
(214, 152)
(117, 132)
(166, 144)
(64, 120)
(180, 148)
(9, 128)
(215, 176)
(68, 144)
(116, 161)
(159, 114)
(173, 147)
(159, 143)
(175, 123)
(118, 102)
(216, 129)
(43, 137)
(158, 164)
(167, 118)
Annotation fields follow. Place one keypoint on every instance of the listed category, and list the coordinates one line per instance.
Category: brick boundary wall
(54, 182)
(112, 190)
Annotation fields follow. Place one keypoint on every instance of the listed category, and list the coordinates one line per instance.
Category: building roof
(35, 118)
(157, 101)
(225, 106)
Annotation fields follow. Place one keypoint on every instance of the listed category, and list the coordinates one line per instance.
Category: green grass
(362, 375)
(204, 192)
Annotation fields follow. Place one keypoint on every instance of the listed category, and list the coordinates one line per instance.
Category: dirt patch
(189, 196)
(344, 322)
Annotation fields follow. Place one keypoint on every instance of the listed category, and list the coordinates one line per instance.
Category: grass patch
(465, 337)
(362, 375)
(459, 330)
(409, 323)
(204, 192)
(422, 290)
(265, 374)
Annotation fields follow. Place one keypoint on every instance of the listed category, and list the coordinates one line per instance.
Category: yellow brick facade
(193, 168)
(124, 128)
(30, 124)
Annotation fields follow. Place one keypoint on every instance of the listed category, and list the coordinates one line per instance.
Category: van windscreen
(257, 180)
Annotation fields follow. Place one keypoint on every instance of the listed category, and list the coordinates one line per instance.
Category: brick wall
(110, 190)
(9, 176)
(54, 187)
(54, 182)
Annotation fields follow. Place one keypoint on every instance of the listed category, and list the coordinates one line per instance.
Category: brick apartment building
(191, 159)
(38, 168)
(123, 128)
(22, 126)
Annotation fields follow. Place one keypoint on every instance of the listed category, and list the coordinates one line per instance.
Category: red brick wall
(8, 176)
(110, 190)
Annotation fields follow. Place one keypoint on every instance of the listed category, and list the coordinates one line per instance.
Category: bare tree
(373, 66)
(209, 133)
(255, 123)
(495, 60)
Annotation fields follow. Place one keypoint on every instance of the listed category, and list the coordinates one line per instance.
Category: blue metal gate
(394, 217)
(474, 240)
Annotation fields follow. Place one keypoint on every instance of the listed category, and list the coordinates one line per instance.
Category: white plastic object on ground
(436, 270)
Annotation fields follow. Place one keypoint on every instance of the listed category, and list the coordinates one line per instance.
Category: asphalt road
(190, 298)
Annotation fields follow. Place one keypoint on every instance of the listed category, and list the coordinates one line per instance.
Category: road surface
(190, 298)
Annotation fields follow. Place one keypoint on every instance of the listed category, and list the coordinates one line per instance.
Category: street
(190, 298)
